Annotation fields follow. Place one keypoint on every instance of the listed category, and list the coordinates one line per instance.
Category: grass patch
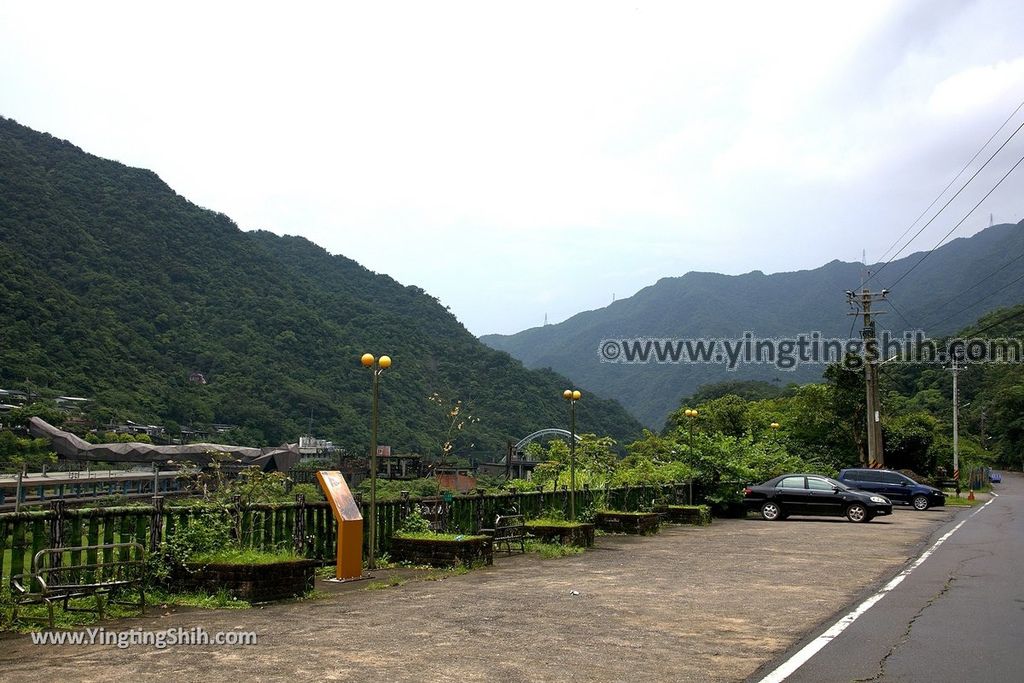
(953, 501)
(457, 570)
(219, 600)
(244, 556)
(431, 536)
(547, 521)
(33, 617)
(552, 550)
(314, 595)
(388, 583)
(623, 513)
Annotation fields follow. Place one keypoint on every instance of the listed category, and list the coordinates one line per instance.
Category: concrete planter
(642, 523)
(579, 534)
(443, 552)
(698, 515)
(252, 582)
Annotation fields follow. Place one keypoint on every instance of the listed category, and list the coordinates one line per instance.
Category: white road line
(786, 669)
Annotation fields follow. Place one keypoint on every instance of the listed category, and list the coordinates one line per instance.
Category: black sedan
(813, 494)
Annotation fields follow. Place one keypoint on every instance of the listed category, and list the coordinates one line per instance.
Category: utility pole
(862, 304)
(956, 422)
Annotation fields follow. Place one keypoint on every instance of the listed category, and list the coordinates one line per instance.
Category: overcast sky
(519, 159)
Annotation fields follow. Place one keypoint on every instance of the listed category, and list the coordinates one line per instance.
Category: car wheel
(920, 502)
(771, 512)
(857, 513)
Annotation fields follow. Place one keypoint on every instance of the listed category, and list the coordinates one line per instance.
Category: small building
(459, 479)
(314, 448)
(129, 427)
(69, 403)
(13, 397)
(516, 467)
(398, 465)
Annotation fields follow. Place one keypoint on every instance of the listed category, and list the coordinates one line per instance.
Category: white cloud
(507, 157)
(977, 88)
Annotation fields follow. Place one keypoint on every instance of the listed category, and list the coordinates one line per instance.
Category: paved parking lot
(708, 604)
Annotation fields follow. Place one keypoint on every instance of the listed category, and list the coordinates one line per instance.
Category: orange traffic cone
(970, 495)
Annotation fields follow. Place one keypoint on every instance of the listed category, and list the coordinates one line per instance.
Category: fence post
(236, 518)
(405, 504)
(19, 492)
(479, 512)
(358, 498)
(299, 532)
(57, 531)
(156, 524)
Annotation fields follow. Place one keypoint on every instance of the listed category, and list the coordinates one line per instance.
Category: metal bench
(63, 574)
(509, 530)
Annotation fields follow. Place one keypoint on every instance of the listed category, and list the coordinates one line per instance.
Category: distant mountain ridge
(701, 305)
(114, 287)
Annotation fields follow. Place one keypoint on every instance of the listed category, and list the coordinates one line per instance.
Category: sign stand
(350, 525)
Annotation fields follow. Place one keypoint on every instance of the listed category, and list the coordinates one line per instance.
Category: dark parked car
(813, 494)
(897, 487)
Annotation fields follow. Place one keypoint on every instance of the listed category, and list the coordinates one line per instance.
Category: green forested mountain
(115, 288)
(938, 297)
(824, 424)
(991, 395)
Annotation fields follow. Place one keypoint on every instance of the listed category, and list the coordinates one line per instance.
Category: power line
(936, 309)
(968, 307)
(959, 223)
(950, 201)
(897, 311)
(955, 178)
(1002, 320)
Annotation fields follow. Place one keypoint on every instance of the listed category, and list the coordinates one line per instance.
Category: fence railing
(307, 528)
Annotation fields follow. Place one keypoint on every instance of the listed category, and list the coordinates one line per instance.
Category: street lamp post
(572, 395)
(691, 415)
(377, 365)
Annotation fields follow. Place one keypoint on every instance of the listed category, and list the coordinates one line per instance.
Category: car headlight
(878, 499)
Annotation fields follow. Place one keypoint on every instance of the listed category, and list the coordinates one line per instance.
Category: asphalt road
(959, 615)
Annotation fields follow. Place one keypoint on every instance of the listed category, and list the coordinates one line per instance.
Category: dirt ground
(689, 604)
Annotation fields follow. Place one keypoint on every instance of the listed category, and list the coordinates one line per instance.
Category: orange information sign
(350, 524)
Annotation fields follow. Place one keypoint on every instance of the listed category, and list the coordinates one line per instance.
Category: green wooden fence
(308, 528)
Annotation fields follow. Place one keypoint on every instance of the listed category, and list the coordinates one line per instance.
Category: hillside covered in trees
(779, 305)
(823, 425)
(115, 288)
